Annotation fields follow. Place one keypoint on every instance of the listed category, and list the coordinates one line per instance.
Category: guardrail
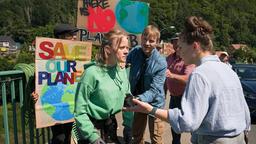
(18, 112)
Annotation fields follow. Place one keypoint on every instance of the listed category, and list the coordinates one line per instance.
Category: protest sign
(59, 65)
(96, 17)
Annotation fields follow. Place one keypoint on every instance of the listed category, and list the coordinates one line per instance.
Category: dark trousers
(61, 134)
(107, 129)
(175, 102)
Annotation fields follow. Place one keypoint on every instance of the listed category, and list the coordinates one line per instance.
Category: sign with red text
(96, 17)
(59, 66)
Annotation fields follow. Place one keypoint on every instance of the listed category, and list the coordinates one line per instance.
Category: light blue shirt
(213, 102)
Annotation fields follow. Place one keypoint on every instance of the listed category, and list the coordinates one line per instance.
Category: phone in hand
(128, 100)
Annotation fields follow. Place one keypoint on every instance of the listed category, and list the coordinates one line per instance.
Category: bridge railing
(17, 112)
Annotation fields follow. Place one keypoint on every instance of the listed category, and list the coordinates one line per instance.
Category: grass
(11, 125)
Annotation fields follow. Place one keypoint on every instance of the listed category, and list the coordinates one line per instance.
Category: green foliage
(246, 55)
(29, 71)
(26, 57)
(11, 126)
(26, 19)
(6, 63)
(95, 50)
(233, 20)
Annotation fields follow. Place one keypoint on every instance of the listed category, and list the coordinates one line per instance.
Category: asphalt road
(185, 138)
(167, 138)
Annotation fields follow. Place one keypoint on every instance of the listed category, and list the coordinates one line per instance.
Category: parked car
(247, 75)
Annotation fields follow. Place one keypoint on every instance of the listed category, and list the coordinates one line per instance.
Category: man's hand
(168, 74)
(143, 107)
(139, 106)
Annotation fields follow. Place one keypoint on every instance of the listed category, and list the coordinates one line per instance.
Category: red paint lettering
(100, 20)
(68, 78)
(46, 47)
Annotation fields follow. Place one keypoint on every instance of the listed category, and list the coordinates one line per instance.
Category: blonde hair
(153, 31)
(108, 39)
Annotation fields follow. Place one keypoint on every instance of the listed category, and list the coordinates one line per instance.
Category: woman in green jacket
(101, 91)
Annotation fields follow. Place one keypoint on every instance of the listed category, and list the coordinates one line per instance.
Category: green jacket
(100, 93)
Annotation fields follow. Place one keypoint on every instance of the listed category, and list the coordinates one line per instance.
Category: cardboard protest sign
(59, 65)
(96, 17)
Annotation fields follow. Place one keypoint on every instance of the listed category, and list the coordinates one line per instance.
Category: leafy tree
(233, 20)
(26, 57)
(7, 63)
(246, 55)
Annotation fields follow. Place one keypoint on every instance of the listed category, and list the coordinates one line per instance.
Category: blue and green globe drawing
(132, 16)
(58, 101)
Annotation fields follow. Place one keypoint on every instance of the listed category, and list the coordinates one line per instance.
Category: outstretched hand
(139, 106)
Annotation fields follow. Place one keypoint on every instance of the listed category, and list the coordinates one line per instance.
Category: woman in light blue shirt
(213, 106)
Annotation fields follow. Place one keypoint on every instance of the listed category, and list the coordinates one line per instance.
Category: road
(185, 138)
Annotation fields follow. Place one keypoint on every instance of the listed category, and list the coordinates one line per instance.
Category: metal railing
(18, 117)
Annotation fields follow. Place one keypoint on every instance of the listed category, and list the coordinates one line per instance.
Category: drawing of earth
(132, 16)
(58, 101)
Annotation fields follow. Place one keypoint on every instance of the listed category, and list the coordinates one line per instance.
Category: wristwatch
(153, 111)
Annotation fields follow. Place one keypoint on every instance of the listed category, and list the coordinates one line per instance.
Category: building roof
(6, 39)
(10, 40)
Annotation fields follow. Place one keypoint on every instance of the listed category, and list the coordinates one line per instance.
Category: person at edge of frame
(61, 133)
(213, 106)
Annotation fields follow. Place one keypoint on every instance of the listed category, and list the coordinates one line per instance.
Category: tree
(233, 20)
(26, 57)
(7, 63)
(245, 55)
